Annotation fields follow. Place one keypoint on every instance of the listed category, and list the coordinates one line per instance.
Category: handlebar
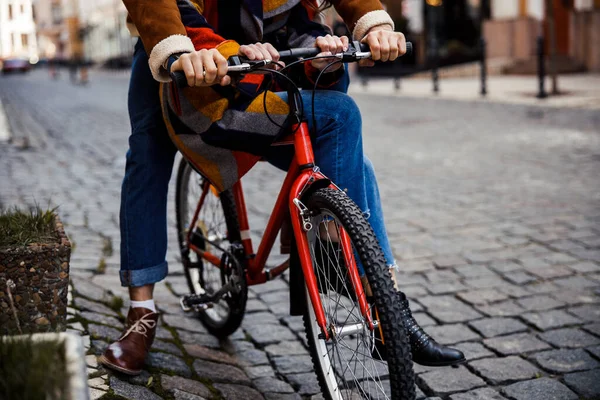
(356, 52)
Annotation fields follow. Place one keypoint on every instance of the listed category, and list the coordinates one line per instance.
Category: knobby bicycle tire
(366, 246)
(234, 318)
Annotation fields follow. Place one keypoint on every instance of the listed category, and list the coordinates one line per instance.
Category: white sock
(149, 304)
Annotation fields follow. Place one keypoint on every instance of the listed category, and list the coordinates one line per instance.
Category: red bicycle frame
(300, 176)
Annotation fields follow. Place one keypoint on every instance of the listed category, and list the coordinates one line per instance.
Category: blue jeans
(143, 217)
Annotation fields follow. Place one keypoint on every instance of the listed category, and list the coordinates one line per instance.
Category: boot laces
(141, 326)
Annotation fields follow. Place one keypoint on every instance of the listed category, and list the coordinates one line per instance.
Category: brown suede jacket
(159, 25)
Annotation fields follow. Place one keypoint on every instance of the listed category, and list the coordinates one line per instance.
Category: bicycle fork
(301, 224)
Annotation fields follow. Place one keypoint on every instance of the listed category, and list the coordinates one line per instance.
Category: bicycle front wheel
(350, 365)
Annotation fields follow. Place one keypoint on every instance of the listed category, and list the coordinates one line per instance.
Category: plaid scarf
(224, 131)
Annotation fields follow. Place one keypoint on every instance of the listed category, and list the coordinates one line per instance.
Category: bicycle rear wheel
(349, 365)
(217, 229)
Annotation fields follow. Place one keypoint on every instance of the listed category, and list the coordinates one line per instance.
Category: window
(22, 9)
(56, 14)
(24, 40)
(10, 16)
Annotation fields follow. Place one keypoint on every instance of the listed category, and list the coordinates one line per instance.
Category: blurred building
(17, 30)
(514, 26)
(83, 29)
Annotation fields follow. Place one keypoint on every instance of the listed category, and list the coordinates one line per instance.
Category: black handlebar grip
(300, 52)
(179, 78)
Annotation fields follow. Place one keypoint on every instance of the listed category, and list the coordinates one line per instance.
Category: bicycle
(357, 342)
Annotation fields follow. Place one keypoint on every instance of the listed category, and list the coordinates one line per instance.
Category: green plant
(101, 268)
(32, 370)
(116, 303)
(21, 228)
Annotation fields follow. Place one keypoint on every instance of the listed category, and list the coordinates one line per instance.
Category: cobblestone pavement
(493, 211)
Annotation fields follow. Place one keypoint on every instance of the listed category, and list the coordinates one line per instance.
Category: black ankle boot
(425, 350)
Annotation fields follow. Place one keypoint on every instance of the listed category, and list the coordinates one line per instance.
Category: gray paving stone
(181, 395)
(448, 309)
(451, 334)
(515, 291)
(473, 350)
(490, 327)
(83, 287)
(168, 362)
(474, 271)
(259, 318)
(84, 304)
(292, 364)
(101, 319)
(585, 266)
(539, 389)
(550, 319)
(209, 354)
(538, 303)
(424, 319)
(575, 297)
(286, 396)
(587, 312)
(485, 282)
(199, 339)
(261, 371)
(142, 379)
(444, 381)
(506, 308)
(587, 384)
(267, 334)
(545, 287)
(237, 392)
(595, 350)
(448, 261)
(516, 344)
(593, 328)
(575, 282)
(129, 391)
(519, 277)
(288, 348)
(185, 322)
(570, 338)
(565, 360)
(220, 372)
(504, 370)
(305, 384)
(482, 296)
(255, 305)
(249, 358)
(167, 347)
(172, 383)
(446, 287)
(272, 385)
(478, 394)
(105, 332)
(505, 266)
(551, 272)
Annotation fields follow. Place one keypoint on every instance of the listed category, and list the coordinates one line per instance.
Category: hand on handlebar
(385, 44)
(330, 45)
(204, 67)
(259, 52)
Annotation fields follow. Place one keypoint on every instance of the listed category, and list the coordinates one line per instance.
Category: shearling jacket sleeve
(362, 15)
(159, 25)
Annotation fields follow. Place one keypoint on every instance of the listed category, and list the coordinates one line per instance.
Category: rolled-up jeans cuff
(394, 266)
(144, 276)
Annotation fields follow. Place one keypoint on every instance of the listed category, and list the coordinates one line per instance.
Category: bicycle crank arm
(204, 301)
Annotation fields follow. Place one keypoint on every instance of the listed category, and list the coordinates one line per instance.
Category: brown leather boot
(127, 354)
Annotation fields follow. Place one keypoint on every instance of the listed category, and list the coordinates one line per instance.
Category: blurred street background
(492, 202)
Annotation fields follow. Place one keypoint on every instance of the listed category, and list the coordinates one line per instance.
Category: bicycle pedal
(195, 302)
